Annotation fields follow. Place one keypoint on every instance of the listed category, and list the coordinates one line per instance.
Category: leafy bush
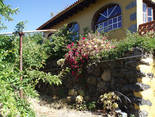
(133, 40)
(109, 101)
(80, 52)
(34, 57)
(92, 105)
(59, 42)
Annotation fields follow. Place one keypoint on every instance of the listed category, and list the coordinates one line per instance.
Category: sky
(34, 12)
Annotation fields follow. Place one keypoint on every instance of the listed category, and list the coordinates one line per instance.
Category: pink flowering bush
(87, 47)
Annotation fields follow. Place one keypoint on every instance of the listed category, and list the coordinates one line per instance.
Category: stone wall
(131, 78)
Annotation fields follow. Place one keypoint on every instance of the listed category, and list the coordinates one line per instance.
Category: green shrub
(59, 42)
(133, 40)
(34, 57)
(109, 101)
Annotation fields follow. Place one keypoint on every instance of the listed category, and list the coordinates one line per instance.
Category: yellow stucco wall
(84, 17)
(148, 94)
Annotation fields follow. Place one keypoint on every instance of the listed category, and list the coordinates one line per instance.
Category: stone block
(143, 113)
(145, 69)
(140, 101)
(148, 60)
(106, 75)
(135, 87)
(81, 92)
(72, 92)
(94, 70)
(91, 80)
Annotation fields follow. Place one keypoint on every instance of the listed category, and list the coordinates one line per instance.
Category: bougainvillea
(79, 53)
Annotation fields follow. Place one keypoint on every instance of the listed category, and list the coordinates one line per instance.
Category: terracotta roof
(73, 7)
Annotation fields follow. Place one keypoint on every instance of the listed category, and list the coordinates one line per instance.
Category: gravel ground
(45, 108)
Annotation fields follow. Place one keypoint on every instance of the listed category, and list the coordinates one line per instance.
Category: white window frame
(100, 26)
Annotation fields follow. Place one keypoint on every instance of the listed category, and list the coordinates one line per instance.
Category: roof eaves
(60, 13)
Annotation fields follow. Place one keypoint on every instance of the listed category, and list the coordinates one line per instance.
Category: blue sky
(35, 12)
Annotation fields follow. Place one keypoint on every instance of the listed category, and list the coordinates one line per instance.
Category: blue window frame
(74, 28)
(109, 19)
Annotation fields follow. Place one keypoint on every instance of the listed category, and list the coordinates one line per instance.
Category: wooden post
(21, 59)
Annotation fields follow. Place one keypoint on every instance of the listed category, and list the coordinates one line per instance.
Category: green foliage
(79, 54)
(92, 105)
(60, 40)
(19, 27)
(35, 52)
(6, 11)
(145, 43)
(80, 106)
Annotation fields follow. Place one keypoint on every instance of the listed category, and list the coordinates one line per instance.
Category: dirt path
(46, 109)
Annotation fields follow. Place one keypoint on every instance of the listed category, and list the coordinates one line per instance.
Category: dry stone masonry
(131, 78)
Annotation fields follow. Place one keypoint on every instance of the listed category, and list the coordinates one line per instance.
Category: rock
(94, 70)
(106, 75)
(143, 114)
(123, 114)
(54, 97)
(135, 87)
(79, 99)
(69, 98)
(137, 51)
(143, 86)
(140, 101)
(144, 68)
(131, 64)
(87, 98)
(91, 80)
(148, 60)
(81, 92)
(72, 92)
(101, 85)
(150, 75)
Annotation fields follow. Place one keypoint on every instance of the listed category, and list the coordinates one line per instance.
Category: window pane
(115, 11)
(150, 19)
(74, 28)
(119, 18)
(144, 18)
(109, 19)
(105, 23)
(115, 20)
(110, 27)
(114, 26)
(144, 7)
(119, 24)
(150, 11)
(101, 18)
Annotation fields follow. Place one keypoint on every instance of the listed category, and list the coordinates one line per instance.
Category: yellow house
(113, 16)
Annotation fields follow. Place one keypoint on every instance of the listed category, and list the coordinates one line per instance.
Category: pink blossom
(83, 38)
(72, 44)
(76, 53)
(69, 46)
(73, 73)
(112, 46)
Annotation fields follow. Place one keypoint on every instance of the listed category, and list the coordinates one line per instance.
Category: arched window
(108, 18)
(147, 13)
(74, 28)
